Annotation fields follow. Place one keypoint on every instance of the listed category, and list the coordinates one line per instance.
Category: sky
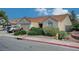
(36, 12)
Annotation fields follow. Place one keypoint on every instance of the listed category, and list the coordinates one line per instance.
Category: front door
(40, 25)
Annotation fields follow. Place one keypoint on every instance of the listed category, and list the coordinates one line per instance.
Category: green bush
(35, 31)
(22, 32)
(75, 27)
(62, 35)
(45, 31)
(50, 31)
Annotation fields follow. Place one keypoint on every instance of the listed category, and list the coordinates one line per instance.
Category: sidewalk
(50, 40)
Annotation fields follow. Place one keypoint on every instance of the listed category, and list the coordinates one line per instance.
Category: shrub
(45, 31)
(75, 27)
(35, 31)
(62, 35)
(50, 31)
(22, 32)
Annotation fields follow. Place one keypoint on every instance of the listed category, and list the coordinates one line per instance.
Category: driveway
(6, 34)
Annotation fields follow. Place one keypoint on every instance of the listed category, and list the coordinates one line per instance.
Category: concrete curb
(51, 43)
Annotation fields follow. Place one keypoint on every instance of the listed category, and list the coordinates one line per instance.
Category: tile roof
(59, 17)
(15, 21)
(41, 19)
(55, 17)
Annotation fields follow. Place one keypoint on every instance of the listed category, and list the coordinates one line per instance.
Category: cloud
(59, 11)
(42, 11)
(55, 11)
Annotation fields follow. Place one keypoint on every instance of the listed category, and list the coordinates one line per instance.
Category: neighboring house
(23, 22)
(62, 22)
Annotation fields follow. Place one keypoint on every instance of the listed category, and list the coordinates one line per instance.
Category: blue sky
(33, 12)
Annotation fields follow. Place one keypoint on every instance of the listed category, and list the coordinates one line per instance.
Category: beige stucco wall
(45, 24)
(34, 24)
(61, 26)
(55, 24)
(67, 21)
(64, 23)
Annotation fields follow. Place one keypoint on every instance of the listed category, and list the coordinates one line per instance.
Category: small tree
(73, 17)
(75, 26)
(4, 16)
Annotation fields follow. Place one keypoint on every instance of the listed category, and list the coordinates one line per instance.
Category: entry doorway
(40, 25)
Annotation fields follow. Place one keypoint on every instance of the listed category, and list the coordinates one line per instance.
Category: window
(50, 23)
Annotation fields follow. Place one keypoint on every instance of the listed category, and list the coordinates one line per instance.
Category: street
(12, 44)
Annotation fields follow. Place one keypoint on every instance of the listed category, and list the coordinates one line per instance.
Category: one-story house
(22, 22)
(62, 22)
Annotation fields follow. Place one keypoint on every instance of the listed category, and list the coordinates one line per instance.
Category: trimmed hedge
(35, 31)
(22, 32)
(45, 31)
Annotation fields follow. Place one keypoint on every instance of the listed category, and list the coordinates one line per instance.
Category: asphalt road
(12, 44)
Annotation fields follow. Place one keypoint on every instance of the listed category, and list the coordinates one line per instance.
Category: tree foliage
(73, 17)
(4, 16)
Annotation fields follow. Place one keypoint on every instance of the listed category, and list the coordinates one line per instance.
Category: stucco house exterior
(22, 22)
(62, 22)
